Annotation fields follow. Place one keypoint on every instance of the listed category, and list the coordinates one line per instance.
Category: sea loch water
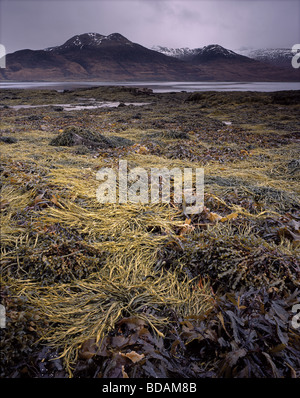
(161, 87)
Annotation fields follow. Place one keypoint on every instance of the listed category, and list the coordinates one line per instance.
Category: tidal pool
(78, 107)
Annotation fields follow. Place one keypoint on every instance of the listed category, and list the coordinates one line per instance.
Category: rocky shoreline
(93, 290)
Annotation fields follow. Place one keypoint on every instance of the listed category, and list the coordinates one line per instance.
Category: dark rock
(137, 116)
(8, 140)
(35, 117)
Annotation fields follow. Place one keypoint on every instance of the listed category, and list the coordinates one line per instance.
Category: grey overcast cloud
(37, 24)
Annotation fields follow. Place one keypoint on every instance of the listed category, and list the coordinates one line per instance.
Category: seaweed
(133, 290)
(247, 335)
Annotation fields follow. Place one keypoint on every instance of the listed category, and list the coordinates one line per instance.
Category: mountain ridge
(280, 57)
(93, 56)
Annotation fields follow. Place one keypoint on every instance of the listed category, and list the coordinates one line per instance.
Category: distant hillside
(280, 57)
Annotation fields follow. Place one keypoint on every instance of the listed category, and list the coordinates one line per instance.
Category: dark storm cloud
(38, 24)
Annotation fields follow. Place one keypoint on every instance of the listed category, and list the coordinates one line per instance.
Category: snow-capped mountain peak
(216, 49)
(89, 40)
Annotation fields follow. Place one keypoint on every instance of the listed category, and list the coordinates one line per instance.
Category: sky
(234, 24)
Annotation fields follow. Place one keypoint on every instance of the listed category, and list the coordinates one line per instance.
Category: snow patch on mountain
(176, 52)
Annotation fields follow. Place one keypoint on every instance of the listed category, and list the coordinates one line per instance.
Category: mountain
(280, 57)
(93, 56)
(255, 65)
(215, 52)
(208, 53)
(90, 40)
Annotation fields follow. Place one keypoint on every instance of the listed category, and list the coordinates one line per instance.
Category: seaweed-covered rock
(286, 97)
(293, 165)
(195, 97)
(8, 140)
(73, 136)
(58, 108)
(34, 117)
(169, 134)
